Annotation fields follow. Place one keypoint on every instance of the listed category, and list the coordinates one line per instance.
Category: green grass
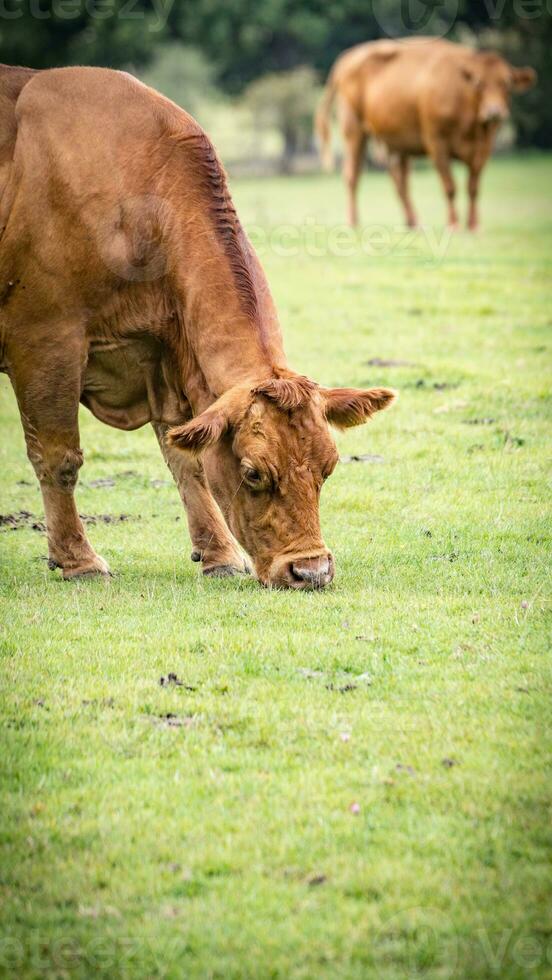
(225, 846)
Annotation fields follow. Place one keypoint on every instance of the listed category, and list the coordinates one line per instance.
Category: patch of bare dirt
(342, 683)
(387, 362)
(106, 481)
(421, 384)
(363, 458)
(112, 481)
(170, 720)
(106, 518)
(171, 680)
(342, 690)
(98, 702)
(409, 770)
(23, 518)
(19, 519)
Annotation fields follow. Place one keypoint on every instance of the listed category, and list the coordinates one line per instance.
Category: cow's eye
(253, 477)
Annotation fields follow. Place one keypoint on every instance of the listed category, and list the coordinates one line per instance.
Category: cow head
(267, 451)
(493, 79)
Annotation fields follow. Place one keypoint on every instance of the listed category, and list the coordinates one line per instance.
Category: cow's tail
(322, 124)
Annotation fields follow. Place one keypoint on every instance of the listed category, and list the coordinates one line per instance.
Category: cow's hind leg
(46, 380)
(399, 167)
(212, 542)
(354, 139)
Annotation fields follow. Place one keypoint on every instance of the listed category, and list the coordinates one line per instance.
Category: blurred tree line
(243, 40)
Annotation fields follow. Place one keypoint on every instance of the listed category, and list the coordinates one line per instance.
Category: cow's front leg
(473, 191)
(441, 157)
(47, 386)
(212, 543)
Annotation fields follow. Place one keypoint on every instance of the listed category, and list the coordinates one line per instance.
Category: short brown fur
(127, 284)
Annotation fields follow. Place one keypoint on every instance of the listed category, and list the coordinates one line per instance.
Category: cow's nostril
(494, 113)
(312, 572)
(302, 573)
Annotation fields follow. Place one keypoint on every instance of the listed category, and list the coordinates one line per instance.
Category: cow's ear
(352, 406)
(206, 429)
(201, 432)
(523, 79)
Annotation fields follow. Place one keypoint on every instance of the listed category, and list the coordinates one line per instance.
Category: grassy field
(350, 784)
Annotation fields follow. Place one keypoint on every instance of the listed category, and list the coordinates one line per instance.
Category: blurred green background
(251, 70)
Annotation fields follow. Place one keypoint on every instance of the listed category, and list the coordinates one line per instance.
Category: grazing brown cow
(419, 97)
(128, 284)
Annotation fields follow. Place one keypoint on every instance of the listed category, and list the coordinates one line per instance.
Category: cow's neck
(228, 344)
(230, 328)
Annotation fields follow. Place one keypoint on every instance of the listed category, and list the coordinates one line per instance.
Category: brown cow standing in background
(421, 96)
(127, 284)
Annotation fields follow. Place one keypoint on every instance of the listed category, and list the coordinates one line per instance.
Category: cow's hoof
(235, 564)
(222, 571)
(89, 569)
(77, 575)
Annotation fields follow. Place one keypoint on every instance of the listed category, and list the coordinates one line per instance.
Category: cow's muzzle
(298, 572)
(494, 114)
